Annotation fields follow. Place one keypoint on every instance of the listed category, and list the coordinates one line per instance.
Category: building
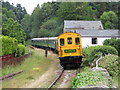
(92, 32)
(82, 25)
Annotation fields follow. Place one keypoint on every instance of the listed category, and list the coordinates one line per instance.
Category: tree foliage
(13, 29)
(50, 28)
(18, 10)
(109, 20)
(113, 42)
(47, 20)
(7, 14)
(27, 25)
(102, 7)
(76, 11)
(9, 45)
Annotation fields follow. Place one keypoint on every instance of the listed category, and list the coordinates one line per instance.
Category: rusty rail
(56, 80)
(10, 75)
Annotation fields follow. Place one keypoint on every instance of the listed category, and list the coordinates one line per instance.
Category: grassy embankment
(111, 63)
(89, 77)
(33, 67)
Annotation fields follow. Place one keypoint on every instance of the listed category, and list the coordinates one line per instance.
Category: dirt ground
(51, 74)
(44, 77)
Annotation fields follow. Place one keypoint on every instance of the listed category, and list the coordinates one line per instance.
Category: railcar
(70, 49)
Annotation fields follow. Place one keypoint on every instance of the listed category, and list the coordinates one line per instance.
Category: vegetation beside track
(90, 78)
(33, 67)
(111, 63)
(92, 52)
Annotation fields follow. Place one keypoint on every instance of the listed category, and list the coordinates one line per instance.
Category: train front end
(70, 49)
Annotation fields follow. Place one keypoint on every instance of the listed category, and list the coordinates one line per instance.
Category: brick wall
(11, 60)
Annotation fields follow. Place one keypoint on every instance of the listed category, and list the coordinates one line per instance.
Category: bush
(90, 53)
(20, 50)
(113, 42)
(111, 63)
(8, 45)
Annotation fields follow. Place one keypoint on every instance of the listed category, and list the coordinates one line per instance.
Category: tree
(46, 11)
(18, 10)
(36, 21)
(113, 42)
(27, 25)
(102, 7)
(109, 20)
(13, 29)
(7, 14)
(76, 11)
(52, 27)
(39, 16)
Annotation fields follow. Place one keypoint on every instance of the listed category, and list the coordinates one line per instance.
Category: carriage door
(77, 44)
(62, 42)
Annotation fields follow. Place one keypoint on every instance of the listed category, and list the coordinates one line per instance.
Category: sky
(28, 4)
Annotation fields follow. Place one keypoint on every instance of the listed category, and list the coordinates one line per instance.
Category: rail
(56, 80)
(10, 75)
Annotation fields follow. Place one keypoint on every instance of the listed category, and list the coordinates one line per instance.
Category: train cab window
(77, 41)
(69, 40)
(61, 42)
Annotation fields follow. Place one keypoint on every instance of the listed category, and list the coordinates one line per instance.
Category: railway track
(59, 76)
(56, 80)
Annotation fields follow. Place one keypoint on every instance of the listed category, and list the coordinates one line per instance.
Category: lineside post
(46, 52)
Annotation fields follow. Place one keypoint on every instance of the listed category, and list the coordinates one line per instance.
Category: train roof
(45, 38)
(68, 33)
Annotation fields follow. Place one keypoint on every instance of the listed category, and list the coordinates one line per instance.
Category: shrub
(111, 63)
(8, 45)
(90, 53)
(20, 50)
(113, 42)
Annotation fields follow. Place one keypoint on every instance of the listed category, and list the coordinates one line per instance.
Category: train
(68, 46)
(70, 49)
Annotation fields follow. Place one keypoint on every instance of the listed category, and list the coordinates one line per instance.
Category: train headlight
(70, 53)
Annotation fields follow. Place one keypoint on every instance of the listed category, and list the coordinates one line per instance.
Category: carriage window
(77, 41)
(69, 40)
(62, 42)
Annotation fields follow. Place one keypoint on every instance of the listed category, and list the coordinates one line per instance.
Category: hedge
(111, 63)
(90, 53)
(20, 50)
(9, 45)
(113, 42)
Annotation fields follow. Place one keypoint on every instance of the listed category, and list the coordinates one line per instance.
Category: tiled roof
(98, 33)
(74, 24)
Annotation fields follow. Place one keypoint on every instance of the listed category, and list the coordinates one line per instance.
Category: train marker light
(60, 47)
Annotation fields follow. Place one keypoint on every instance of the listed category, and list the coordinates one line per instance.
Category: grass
(90, 78)
(111, 63)
(33, 67)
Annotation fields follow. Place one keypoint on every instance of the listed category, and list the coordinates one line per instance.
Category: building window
(69, 40)
(61, 42)
(77, 41)
(94, 40)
